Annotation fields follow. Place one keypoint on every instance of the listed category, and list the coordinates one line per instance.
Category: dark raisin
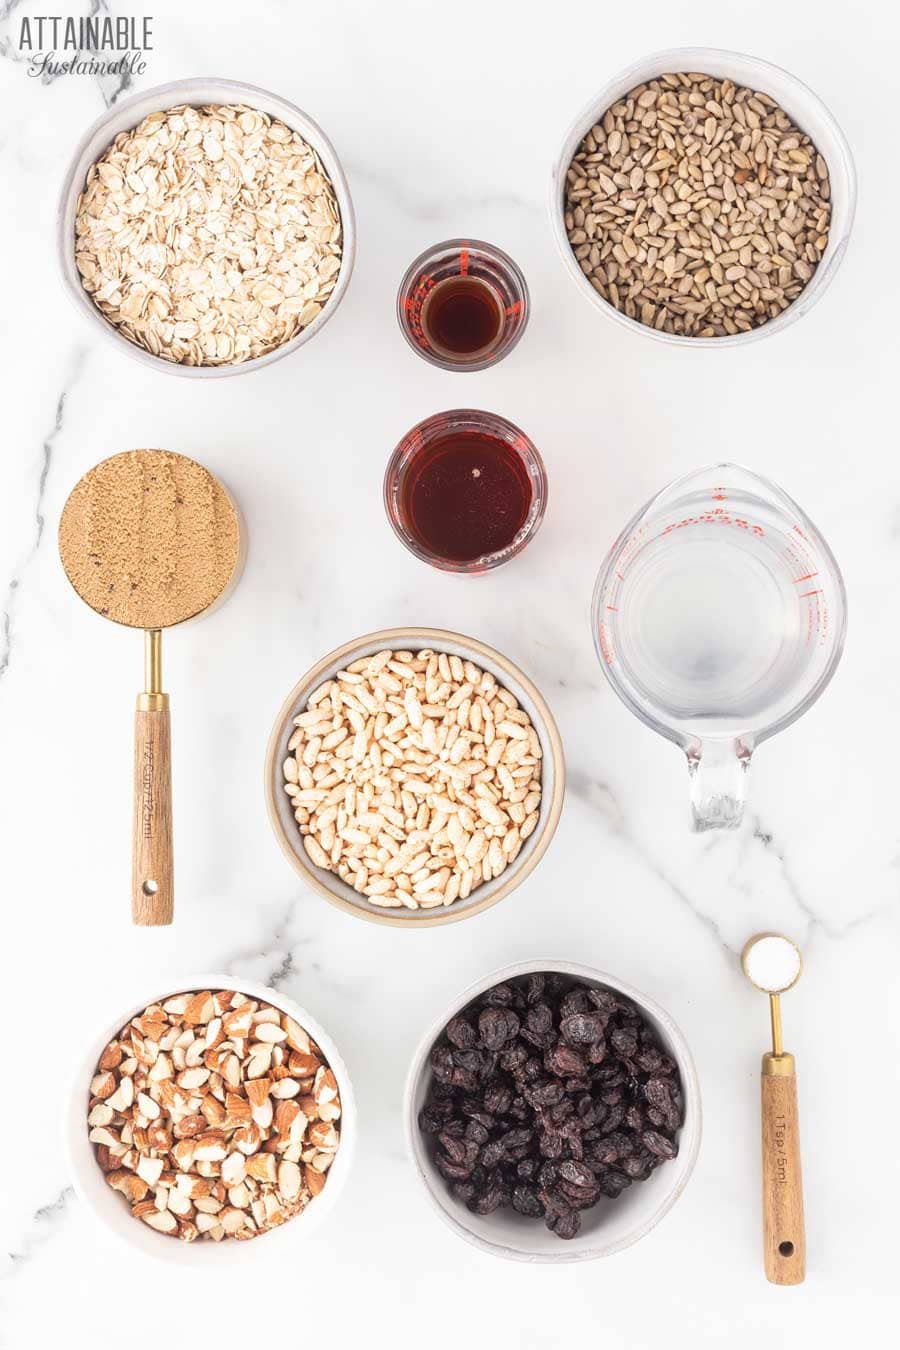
(575, 1001)
(550, 1144)
(497, 1098)
(534, 987)
(451, 1170)
(605, 1002)
(563, 1060)
(566, 1225)
(548, 1092)
(501, 996)
(487, 1201)
(477, 1132)
(512, 1057)
(624, 1041)
(442, 1063)
(461, 1034)
(539, 1018)
(525, 1200)
(491, 1154)
(659, 1144)
(582, 1028)
(577, 1172)
(613, 1183)
(492, 1028)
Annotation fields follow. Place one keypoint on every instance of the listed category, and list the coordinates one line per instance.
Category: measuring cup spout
(718, 770)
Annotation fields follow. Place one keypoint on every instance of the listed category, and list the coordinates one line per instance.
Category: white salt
(772, 963)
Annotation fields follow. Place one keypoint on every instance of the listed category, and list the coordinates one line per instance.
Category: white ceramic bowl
(806, 109)
(127, 114)
(611, 1225)
(553, 775)
(111, 1209)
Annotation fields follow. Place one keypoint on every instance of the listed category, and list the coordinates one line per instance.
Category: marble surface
(447, 123)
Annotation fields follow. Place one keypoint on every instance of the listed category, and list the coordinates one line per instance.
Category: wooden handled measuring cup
(773, 964)
(150, 539)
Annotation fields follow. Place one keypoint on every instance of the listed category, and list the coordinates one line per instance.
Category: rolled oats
(208, 236)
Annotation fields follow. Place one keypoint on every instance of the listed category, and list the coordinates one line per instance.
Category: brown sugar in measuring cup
(149, 539)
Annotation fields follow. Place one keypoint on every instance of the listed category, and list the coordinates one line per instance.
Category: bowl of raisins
(553, 1114)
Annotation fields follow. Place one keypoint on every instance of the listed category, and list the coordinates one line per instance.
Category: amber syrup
(466, 496)
(462, 317)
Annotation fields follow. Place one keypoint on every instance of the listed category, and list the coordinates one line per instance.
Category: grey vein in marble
(814, 919)
(45, 1222)
(10, 601)
(276, 954)
(598, 796)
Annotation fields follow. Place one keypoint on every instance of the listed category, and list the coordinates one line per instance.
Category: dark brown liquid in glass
(462, 316)
(466, 496)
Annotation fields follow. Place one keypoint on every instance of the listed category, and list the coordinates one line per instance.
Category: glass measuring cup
(719, 617)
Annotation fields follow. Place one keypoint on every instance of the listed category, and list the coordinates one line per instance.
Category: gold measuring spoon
(150, 539)
(773, 964)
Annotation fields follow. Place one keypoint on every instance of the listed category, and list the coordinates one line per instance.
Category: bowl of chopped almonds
(205, 227)
(704, 198)
(204, 1118)
(414, 777)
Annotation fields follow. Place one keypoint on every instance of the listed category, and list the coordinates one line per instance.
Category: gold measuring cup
(773, 964)
(150, 539)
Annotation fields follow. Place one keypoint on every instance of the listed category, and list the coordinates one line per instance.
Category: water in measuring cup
(711, 627)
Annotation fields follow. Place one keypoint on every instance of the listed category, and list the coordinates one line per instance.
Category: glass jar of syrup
(463, 305)
(465, 490)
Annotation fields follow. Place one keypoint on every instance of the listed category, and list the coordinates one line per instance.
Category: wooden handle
(784, 1236)
(152, 871)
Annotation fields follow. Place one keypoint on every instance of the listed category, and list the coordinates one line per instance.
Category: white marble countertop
(447, 121)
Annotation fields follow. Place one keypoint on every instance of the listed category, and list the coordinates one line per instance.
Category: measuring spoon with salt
(773, 964)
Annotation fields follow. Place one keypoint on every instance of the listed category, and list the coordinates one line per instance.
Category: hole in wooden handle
(151, 887)
(785, 1249)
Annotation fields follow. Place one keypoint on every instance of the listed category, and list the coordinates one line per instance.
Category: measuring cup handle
(718, 772)
(152, 878)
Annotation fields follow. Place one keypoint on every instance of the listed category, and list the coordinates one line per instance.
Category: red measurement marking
(719, 495)
(614, 608)
(619, 575)
(513, 310)
(464, 263)
(808, 577)
(804, 594)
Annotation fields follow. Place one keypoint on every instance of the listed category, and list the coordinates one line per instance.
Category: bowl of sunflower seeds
(704, 198)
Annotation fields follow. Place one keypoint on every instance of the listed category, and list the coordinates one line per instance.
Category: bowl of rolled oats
(704, 198)
(209, 1116)
(206, 227)
(414, 777)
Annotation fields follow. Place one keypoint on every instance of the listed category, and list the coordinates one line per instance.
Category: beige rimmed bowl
(553, 775)
(111, 1210)
(197, 93)
(611, 1225)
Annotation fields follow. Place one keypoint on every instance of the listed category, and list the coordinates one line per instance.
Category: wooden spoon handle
(152, 869)
(784, 1236)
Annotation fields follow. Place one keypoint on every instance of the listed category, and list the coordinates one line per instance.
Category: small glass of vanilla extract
(465, 490)
(463, 304)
